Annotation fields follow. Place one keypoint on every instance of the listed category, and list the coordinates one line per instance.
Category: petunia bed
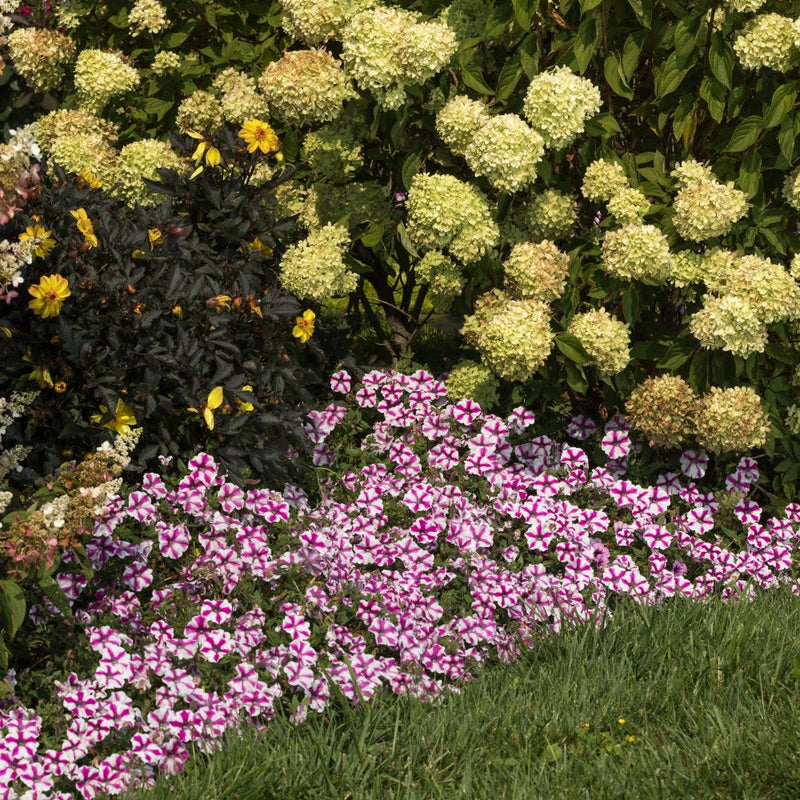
(444, 538)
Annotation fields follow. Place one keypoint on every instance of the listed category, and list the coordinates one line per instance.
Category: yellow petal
(214, 398)
(208, 416)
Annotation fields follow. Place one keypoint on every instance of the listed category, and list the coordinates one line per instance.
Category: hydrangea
(317, 21)
(314, 268)
(459, 120)
(486, 306)
(536, 271)
(772, 291)
(78, 152)
(691, 171)
(505, 150)
(305, 87)
(41, 56)
(791, 189)
(687, 268)
(99, 76)
(605, 338)
(386, 49)
(663, 408)
(731, 323)
(706, 209)
(147, 16)
(558, 103)
(466, 17)
(603, 179)
(744, 6)
(516, 339)
(792, 419)
(238, 97)
(731, 420)
(139, 160)
(794, 267)
(552, 215)
(475, 381)
(637, 252)
(165, 61)
(332, 152)
(66, 122)
(200, 111)
(443, 276)
(445, 213)
(769, 40)
(628, 205)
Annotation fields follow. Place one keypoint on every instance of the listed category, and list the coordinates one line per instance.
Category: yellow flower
(41, 240)
(621, 720)
(123, 420)
(60, 386)
(262, 248)
(245, 405)
(213, 401)
(259, 136)
(205, 149)
(91, 179)
(85, 226)
(49, 294)
(219, 302)
(155, 236)
(304, 327)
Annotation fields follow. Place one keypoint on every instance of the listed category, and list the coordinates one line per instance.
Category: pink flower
(693, 464)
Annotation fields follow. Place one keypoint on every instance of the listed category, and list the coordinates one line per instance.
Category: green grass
(709, 693)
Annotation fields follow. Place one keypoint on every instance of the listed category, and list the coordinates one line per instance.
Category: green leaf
(524, 11)
(631, 52)
(405, 240)
(630, 305)
(576, 380)
(529, 56)
(373, 235)
(745, 134)
(602, 124)
(750, 173)
(713, 92)
(588, 5)
(472, 77)
(721, 59)
(643, 10)
(586, 41)
(52, 591)
(12, 604)
(670, 76)
(571, 347)
(786, 139)
(508, 79)
(781, 104)
(677, 354)
(612, 69)
(409, 169)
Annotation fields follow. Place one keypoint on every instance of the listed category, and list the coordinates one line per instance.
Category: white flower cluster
(637, 252)
(536, 271)
(41, 56)
(704, 207)
(14, 256)
(11, 460)
(552, 215)
(769, 40)
(99, 76)
(605, 181)
(13, 407)
(147, 16)
(317, 21)
(558, 103)
(744, 6)
(473, 380)
(443, 276)
(387, 48)
(747, 293)
(139, 160)
(447, 214)
(314, 268)
(458, 121)
(606, 339)
(201, 111)
(731, 420)
(165, 61)
(238, 97)
(514, 337)
(7, 8)
(304, 87)
(791, 189)
(333, 152)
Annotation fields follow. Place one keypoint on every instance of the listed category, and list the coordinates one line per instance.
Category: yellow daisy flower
(213, 401)
(304, 327)
(49, 295)
(123, 420)
(41, 240)
(258, 135)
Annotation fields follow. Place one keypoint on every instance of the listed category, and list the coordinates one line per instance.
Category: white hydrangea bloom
(558, 103)
(769, 40)
(791, 189)
(637, 252)
(458, 121)
(317, 21)
(707, 209)
(729, 322)
(603, 179)
(505, 150)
